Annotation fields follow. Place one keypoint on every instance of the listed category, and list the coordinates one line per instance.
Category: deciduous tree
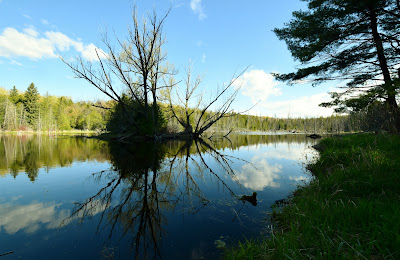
(137, 65)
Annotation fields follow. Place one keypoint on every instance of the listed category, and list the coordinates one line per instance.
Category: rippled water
(65, 197)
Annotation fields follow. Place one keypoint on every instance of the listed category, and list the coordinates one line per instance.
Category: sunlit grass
(350, 211)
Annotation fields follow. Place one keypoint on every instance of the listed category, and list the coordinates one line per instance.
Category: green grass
(350, 211)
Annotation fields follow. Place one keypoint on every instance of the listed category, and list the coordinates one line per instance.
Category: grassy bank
(351, 210)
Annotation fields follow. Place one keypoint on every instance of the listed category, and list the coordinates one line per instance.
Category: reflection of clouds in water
(29, 218)
(92, 208)
(298, 178)
(287, 151)
(295, 153)
(16, 198)
(258, 175)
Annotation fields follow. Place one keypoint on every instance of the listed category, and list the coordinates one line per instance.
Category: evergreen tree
(31, 99)
(14, 95)
(353, 40)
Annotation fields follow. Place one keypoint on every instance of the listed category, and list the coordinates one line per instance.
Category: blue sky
(218, 37)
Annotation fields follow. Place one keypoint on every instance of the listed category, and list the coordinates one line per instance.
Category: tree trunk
(155, 112)
(389, 87)
(5, 115)
(146, 102)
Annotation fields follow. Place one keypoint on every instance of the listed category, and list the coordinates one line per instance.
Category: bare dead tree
(196, 120)
(182, 111)
(143, 52)
(139, 66)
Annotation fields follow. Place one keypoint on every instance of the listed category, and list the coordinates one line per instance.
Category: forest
(30, 111)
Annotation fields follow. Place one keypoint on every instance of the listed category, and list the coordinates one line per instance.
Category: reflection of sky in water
(30, 218)
(258, 175)
(287, 151)
(269, 165)
(35, 212)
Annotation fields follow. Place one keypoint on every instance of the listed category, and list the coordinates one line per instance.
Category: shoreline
(350, 210)
(50, 132)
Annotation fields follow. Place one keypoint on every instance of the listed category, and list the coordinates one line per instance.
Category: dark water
(64, 197)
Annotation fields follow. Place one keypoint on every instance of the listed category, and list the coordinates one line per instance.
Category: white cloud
(31, 32)
(30, 44)
(305, 106)
(63, 42)
(258, 85)
(197, 8)
(17, 44)
(89, 52)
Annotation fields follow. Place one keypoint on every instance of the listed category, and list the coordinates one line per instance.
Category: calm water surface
(65, 197)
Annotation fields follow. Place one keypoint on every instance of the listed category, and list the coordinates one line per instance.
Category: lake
(73, 197)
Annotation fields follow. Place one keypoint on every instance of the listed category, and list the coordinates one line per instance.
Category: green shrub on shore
(350, 210)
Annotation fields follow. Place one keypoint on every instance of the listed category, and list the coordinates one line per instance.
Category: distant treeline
(332, 124)
(31, 111)
(353, 122)
(21, 111)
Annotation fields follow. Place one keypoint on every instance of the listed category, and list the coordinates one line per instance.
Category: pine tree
(353, 40)
(14, 95)
(31, 99)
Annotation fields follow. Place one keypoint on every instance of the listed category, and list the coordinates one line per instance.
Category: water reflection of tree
(147, 179)
(29, 153)
(30, 161)
(236, 141)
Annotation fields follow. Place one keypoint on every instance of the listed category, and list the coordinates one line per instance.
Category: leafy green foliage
(378, 118)
(48, 113)
(131, 117)
(61, 113)
(355, 104)
(29, 153)
(356, 41)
